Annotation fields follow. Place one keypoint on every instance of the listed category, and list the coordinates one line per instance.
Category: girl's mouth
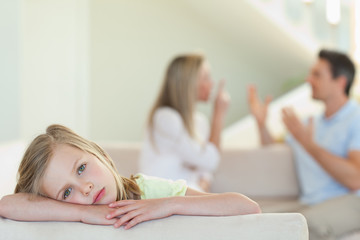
(99, 195)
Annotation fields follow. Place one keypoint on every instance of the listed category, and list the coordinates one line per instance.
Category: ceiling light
(333, 11)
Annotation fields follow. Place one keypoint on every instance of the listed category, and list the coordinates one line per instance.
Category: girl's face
(204, 83)
(77, 176)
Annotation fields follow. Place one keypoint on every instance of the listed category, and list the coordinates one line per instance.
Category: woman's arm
(171, 136)
(27, 207)
(221, 105)
(194, 203)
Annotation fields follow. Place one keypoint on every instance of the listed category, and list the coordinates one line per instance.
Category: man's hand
(302, 133)
(258, 108)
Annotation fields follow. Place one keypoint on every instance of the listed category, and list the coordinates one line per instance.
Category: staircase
(306, 25)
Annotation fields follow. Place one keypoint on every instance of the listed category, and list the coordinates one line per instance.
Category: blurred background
(96, 65)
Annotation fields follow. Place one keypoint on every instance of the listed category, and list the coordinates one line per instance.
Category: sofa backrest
(265, 172)
(125, 156)
(262, 172)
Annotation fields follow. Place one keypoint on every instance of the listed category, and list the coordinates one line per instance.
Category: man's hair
(340, 64)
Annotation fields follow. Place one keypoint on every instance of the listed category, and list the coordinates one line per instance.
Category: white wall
(54, 69)
(9, 70)
(96, 65)
(133, 41)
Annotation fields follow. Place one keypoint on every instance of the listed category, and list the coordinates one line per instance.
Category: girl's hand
(132, 212)
(96, 214)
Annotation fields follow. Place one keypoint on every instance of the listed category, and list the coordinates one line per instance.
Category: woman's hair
(40, 151)
(178, 89)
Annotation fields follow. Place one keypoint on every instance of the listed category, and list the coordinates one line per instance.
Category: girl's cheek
(95, 174)
(78, 199)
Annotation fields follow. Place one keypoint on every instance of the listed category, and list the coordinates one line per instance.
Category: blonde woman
(179, 143)
(64, 177)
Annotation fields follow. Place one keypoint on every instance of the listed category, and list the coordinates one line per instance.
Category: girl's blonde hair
(40, 151)
(178, 90)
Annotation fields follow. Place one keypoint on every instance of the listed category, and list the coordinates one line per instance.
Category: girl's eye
(81, 168)
(67, 192)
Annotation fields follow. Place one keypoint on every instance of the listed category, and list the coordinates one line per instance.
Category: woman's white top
(173, 154)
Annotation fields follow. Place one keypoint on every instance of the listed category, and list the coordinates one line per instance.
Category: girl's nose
(87, 187)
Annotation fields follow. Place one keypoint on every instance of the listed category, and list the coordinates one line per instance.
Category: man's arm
(265, 136)
(345, 170)
(259, 111)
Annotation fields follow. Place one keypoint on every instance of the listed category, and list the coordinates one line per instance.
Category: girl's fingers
(126, 218)
(122, 210)
(122, 203)
(111, 222)
(134, 221)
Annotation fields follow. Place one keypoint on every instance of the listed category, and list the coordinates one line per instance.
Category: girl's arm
(212, 204)
(194, 203)
(27, 207)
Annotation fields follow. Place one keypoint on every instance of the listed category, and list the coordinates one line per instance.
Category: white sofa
(267, 175)
(233, 175)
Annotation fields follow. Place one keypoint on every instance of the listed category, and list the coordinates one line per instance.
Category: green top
(154, 187)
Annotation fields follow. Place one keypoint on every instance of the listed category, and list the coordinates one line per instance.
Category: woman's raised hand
(222, 99)
(258, 108)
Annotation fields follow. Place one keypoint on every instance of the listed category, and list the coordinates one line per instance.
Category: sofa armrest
(280, 226)
(262, 172)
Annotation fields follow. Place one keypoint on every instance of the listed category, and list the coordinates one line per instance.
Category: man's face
(323, 85)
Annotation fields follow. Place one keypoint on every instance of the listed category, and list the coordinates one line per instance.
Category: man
(326, 149)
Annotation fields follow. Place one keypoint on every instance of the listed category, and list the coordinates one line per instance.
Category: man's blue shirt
(339, 135)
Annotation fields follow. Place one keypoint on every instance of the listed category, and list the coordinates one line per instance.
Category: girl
(64, 177)
(178, 143)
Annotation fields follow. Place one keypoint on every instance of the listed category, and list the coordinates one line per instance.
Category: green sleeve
(154, 187)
